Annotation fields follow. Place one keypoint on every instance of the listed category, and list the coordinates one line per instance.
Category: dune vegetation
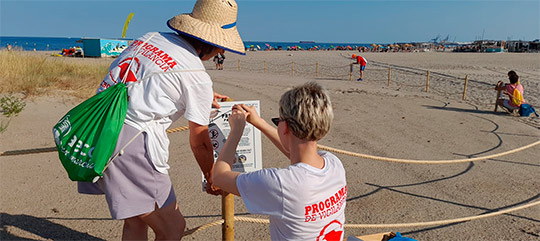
(33, 74)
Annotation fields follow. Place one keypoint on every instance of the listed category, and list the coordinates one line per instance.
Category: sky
(323, 21)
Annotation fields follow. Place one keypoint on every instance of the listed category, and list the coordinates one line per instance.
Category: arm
(500, 86)
(224, 177)
(201, 147)
(269, 131)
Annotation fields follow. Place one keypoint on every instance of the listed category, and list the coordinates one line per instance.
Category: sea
(57, 44)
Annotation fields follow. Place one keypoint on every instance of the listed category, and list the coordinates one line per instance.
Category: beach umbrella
(259, 47)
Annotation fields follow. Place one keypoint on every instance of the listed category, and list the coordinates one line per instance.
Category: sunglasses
(276, 120)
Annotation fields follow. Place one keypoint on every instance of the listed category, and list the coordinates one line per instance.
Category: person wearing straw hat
(166, 79)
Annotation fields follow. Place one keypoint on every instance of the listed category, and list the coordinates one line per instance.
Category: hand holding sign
(232, 116)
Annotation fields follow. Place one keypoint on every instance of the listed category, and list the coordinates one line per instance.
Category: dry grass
(34, 74)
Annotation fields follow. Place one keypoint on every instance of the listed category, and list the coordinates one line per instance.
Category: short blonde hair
(307, 110)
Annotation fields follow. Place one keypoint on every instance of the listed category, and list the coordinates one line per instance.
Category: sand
(402, 120)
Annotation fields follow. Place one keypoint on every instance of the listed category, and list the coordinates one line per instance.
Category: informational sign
(249, 150)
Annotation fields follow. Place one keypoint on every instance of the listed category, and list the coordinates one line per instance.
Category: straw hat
(213, 22)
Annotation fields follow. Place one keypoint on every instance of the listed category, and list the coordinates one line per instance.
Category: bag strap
(534, 111)
(152, 74)
(513, 97)
(121, 151)
(135, 53)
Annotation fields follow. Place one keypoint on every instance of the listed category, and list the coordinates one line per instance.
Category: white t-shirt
(165, 81)
(303, 202)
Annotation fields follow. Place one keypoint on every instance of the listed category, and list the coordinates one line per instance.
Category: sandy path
(39, 202)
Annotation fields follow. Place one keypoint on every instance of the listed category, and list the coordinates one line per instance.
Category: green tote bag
(86, 136)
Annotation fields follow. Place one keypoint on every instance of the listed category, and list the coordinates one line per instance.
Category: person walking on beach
(362, 62)
(220, 60)
(166, 80)
(306, 200)
(514, 91)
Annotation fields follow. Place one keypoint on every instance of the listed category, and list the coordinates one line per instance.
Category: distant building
(97, 47)
(490, 46)
(523, 46)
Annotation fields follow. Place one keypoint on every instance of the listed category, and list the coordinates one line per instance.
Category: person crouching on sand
(306, 200)
(514, 91)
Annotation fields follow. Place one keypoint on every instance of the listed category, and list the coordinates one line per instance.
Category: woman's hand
(237, 119)
(252, 115)
(218, 97)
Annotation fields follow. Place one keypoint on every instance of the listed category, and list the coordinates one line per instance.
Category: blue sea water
(57, 44)
(39, 43)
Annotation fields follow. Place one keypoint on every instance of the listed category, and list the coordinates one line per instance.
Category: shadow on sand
(41, 227)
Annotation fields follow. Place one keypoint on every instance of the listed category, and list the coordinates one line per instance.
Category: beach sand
(402, 120)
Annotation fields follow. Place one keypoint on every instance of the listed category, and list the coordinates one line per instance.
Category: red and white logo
(124, 68)
(332, 231)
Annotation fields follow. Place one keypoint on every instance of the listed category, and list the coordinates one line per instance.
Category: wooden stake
(317, 69)
(350, 72)
(496, 99)
(427, 81)
(265, 66)
(389, 74)
(238, 65)
(465, 86)
(292, 67)
(227, 213)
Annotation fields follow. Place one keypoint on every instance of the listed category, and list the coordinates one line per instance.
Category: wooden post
(227, 213)
(497, 99)
(427, 81)
(265, 66)
(292, 67)
(389, 74)
(465, 86)
(350, 72)
(317, 69)
(238, 65)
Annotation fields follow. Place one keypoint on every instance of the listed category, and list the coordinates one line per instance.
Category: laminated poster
(249, 150)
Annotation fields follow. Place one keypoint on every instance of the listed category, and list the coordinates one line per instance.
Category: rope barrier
(203, 227)
(442, 222)
(28, 151)
(322, 147)
(181, 128)
(390, 225)
(376, 66)
(388, 159)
